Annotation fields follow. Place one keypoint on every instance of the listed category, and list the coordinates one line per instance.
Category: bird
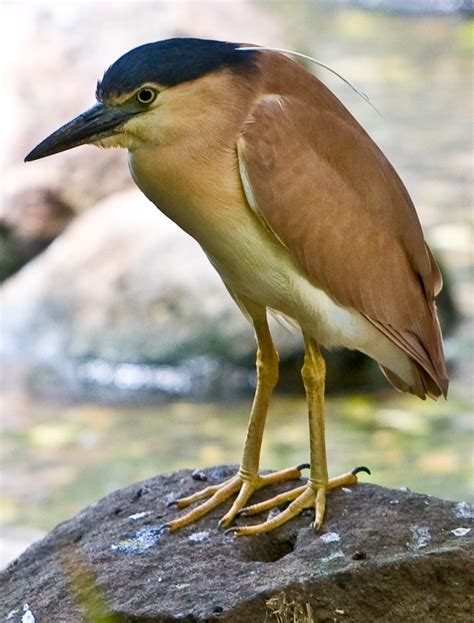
(300, 213)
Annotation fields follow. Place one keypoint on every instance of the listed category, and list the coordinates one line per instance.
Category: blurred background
(117, 365)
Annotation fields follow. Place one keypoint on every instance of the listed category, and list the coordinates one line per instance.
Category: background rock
(29, 221)
(382, 555)
(124, 285)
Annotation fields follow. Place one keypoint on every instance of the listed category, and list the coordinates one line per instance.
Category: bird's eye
(146, 95)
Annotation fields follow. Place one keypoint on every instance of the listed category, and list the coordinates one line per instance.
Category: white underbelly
(263, 271)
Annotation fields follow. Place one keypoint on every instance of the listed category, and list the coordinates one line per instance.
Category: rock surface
(382, 555)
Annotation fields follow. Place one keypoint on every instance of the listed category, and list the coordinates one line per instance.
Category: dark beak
(96, 123)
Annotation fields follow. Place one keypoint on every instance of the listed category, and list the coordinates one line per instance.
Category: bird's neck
(190, 170)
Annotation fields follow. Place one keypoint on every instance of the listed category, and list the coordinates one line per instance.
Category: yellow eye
(146, 95)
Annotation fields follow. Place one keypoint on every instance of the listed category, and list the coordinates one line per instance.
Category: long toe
(222, 493)
(218, 494)
(306, 496)
(306, 499)
(267, 505)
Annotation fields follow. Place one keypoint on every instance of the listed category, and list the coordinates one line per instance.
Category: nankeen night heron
(299, 212)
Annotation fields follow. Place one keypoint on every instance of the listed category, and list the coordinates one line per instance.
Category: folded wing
(328, 193)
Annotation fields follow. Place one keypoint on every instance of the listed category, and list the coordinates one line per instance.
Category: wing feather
(329, 194)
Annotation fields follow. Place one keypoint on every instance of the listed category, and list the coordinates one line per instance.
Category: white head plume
(320, 63)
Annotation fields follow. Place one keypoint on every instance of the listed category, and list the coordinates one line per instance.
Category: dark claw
(361, 468)
(172, 503)
(303, 466)
(231, 530)
(241, 513)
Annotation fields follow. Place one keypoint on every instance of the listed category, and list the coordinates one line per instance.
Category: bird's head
(150, 92)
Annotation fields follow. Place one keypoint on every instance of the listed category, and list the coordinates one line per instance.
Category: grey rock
(101, 567)
(125, 284)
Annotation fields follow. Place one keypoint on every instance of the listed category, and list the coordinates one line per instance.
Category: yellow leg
(313, 494)
(248, 479)
(314, 377)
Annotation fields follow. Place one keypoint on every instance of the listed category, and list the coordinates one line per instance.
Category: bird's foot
(242, 483)
(310, 495)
